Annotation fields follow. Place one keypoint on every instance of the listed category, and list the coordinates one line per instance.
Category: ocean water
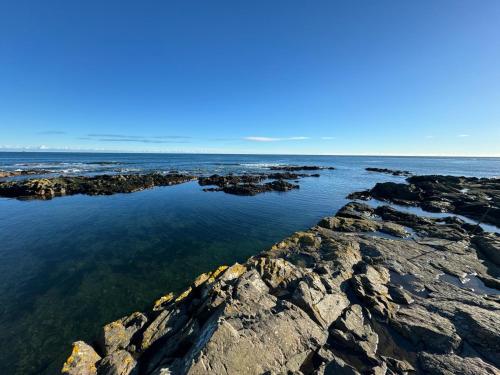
(71, 264)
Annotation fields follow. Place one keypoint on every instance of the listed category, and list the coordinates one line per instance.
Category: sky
(282, 76)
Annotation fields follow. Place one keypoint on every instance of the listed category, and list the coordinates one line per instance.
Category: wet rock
(222, 181)
(26, 172)
(476, 198)
(294, 168)
(48, 188)
(393, 172)
(82, 360)
(394, 229)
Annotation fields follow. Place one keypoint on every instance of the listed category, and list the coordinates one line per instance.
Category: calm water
(71, 264)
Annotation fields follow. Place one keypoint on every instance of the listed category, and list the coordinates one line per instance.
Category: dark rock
(394, 172)
(47, 188)
(222, 181)
(295, 168)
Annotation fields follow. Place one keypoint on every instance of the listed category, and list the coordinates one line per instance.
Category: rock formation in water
(394, 172)
(24, 172)
(295, 168)
(368, 291)
(48, 188)
(476, 198)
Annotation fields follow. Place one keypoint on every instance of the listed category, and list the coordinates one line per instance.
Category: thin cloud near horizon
(273, 139)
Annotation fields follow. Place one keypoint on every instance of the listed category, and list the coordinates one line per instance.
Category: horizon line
(231, 153)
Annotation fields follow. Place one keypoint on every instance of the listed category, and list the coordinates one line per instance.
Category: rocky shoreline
(371, 290)
(48, 188)
(107, 184)
(475, 198)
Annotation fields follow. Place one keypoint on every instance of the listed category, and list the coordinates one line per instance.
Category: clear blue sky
(281, 76)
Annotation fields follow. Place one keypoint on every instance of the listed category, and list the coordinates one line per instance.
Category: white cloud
(429, 136)
(272, 139)
(463, 135)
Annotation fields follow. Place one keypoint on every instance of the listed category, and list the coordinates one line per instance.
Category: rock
(348, 225)
(478, 199)
(331, 299)
(118, 363)
(48, 188)
(394, 229)
(294, 168)
(451, 364)
(322, 307)
(117, 335)
(353, 333)
(426, 329)
(25, 172)
(82, 360)
(394, 172)
(222, 181)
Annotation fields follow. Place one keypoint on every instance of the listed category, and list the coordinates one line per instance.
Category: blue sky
(283, 76)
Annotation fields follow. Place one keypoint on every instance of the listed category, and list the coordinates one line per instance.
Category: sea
(72, 264)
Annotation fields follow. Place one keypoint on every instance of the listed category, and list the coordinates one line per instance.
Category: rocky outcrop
(295, 168)
(25, 172)
(48, 188)
(476, 198)
(250, 184)
(394, 172)
(371, 290)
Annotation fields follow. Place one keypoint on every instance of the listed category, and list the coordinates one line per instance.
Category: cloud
(106, 137)
(117, 136)
(140, 140)
(272, 139)
(429, 136)
(51, 132)
(463, 135)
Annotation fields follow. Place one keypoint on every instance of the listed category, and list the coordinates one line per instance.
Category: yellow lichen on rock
(82, 360)
(184, 294)
(160, 302)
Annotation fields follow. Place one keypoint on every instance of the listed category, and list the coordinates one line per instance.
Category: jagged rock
(118, 363)
(336, 367)
(394, 172)
(117, 335)
(323, 307)
(451, 364)
(294, 168)
(354, 333)
(48, 188)
(349, 225)
(429, 330)
(82, 360)
(330, 300)
(394, 229)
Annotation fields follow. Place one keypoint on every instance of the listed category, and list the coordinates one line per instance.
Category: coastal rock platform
(371, 290)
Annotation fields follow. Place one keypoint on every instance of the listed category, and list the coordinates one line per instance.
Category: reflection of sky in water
(71, 264)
